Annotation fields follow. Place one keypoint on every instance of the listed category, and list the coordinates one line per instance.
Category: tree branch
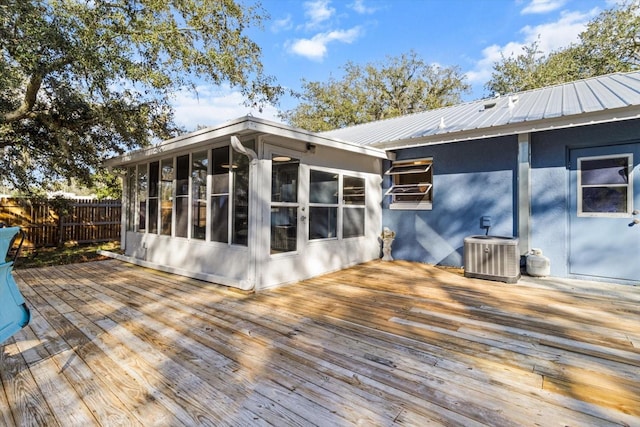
(26, 107)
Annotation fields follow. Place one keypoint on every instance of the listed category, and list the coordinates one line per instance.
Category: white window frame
(422, 165)
(211, 194)
(629, 187)
(297, 205)
(344, 206)
(206, 200)
(341, 204)
(179, 197)
(335, 205)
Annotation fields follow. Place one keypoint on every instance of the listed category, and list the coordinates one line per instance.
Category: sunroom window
(166, 196)
(412, 184)
(131, 198)
(323, 205)
(182, 195)
(353, 212)
(154, 175)
(284, 203)
(143, 189)
(336, 203)
(220, 194)
(199, 170)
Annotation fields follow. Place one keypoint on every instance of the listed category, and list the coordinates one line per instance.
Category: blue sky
(314, 39)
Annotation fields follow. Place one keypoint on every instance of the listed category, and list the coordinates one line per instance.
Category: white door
(287, 202)
(285, 221)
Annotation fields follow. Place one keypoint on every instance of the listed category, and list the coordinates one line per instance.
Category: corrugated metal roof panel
(608, 99)
(535, 106)
(554, 103)
(624, 88)
(588, 100)
(570, 100)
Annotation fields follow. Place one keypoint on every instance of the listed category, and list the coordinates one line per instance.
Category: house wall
(477, 178)
(550, 190)
(317, 257)
(470, 180)
(254, 266)
(195, 258)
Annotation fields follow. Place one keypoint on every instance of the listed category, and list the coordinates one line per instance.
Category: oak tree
(400, 85)
(84, 79)
(610, 43)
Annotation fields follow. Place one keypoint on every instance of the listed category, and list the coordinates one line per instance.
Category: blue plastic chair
(14, 314)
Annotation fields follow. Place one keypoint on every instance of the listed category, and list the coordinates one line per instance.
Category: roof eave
(564, 122)
(240, 126)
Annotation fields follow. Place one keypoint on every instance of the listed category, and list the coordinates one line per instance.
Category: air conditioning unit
(492, 257)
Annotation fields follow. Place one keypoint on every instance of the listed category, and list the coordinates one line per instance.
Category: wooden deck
(379, 344)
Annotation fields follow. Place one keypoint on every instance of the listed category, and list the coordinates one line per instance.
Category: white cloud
(542, 6)
(490, 55)
(317, 11)
(558, 34)
(361, 8)
(212, 106)
(282, 24)
(315, 48)
(550, 36)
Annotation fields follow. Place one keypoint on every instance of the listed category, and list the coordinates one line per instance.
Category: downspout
(237, 146)
(524, 192)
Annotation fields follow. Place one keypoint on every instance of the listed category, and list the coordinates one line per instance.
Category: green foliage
(531, 70)
(401, 85)
(84, 80)
(107, 185)
(610, 43)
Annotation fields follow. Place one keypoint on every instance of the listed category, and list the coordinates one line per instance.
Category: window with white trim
(182, 196)
(336, 203)
(142, 192)
(412, 184)
(167, 175)
(604, 186)
(323, 205)
(220, 187)
(131, 198)
(284, 203)
(353, 209)
(154, 177)
(199, 171)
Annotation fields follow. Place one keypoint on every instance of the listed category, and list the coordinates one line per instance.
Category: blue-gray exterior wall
(550, 182)
(477, 178)
(470, 180)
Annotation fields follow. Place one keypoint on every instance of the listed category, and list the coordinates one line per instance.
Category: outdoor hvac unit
(492, 257)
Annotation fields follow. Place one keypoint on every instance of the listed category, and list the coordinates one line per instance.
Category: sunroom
(251, 204)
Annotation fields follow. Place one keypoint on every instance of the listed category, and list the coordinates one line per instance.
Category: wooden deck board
(378, 344)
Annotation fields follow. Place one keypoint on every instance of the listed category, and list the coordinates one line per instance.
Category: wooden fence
(54, 222)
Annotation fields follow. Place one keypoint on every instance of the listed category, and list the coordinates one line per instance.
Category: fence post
(60, 229)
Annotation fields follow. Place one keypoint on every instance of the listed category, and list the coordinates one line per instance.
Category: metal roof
(600, 99)
(241, 126)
